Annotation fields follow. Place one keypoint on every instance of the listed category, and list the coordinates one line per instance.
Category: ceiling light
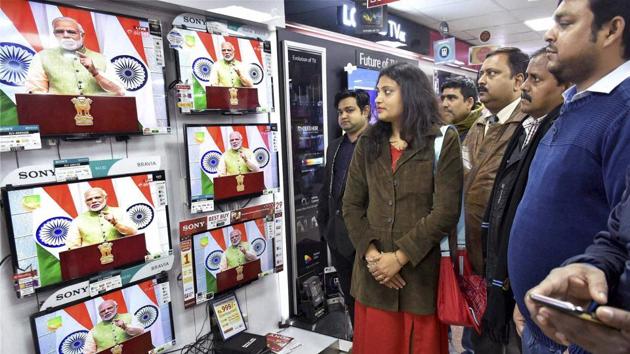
(244, 13)
(540, 24)
(394, 44)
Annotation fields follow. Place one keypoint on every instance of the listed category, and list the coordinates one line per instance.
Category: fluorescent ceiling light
(540, 24)
(394, 44)
(244, 13)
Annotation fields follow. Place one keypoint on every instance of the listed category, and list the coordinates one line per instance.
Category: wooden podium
(140, 344)
(233, 277)
(59, 116)
(88, 260)
(234, 186)
(232, 98)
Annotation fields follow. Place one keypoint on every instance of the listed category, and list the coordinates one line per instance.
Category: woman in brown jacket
(396, 213)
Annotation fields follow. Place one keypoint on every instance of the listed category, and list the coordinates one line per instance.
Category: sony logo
(193, 226)
(195, 20)
(35, 174)
(72, 293)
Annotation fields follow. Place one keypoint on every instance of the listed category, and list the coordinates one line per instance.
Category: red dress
(386, 332)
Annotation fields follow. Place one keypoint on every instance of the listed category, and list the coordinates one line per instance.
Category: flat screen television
(88, 326)
(201, 65)
(42, 71)
(227, 250)
(65, 231)
(213, 161)
(365, 79)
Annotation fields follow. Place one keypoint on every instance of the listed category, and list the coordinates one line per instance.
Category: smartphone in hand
(566, 307)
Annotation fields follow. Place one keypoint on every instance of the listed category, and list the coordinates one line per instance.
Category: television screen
(70, 230)
(218, 151)
(216, 62)
(365, 79)
(226, 250)
(51, 54)
(136, 318)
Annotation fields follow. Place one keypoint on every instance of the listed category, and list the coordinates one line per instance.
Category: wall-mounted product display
(305, 123)
(230, 162)
(225, 73)
(70, 230)
(102, 73)
(134, 319)
(226, 250)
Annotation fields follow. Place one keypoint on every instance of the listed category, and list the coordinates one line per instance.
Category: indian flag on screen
(211, 147)
(201, 50)
(258, 138)
(199, 54)
(51, 218)
(27, 29)
(211, 246)
(255, 230)
(66, 329)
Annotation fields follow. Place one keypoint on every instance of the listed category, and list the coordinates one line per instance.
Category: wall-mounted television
(78, 72)
(64, 231)
(96, 325)
(218, 155)
(227, 250)
(365, 79)
(226, 73)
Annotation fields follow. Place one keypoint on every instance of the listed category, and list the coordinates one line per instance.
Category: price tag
(156, 130)
(184, 97)
(229, 317)
(25, 283)
(165, 293)
(201, 206)
(175, 39)
(72, 169)
(105, 285)
(20, 137)
(159, 193)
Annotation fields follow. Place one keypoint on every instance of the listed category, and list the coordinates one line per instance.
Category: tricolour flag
(67, 329)
(208, 248)
(51, 222)
(210, 150)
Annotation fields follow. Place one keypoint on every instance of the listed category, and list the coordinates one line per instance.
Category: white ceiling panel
(468, 18)
(511, 28)
(521, 4)
(462, 9)
(494, 18)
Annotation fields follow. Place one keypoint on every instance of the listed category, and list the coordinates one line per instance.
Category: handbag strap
(461, 229)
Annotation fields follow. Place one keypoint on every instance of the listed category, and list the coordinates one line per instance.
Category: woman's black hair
(420, 108)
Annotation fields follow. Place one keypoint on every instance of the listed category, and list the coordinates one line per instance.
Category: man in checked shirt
(541, 99)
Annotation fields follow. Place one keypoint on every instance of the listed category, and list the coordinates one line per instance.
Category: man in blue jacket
(601, 274)
(577, 175)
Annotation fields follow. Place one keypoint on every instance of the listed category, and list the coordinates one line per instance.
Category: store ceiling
(468, 18)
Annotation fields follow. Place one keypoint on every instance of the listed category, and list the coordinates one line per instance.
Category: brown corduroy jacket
(396, 210)
(484, 154)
